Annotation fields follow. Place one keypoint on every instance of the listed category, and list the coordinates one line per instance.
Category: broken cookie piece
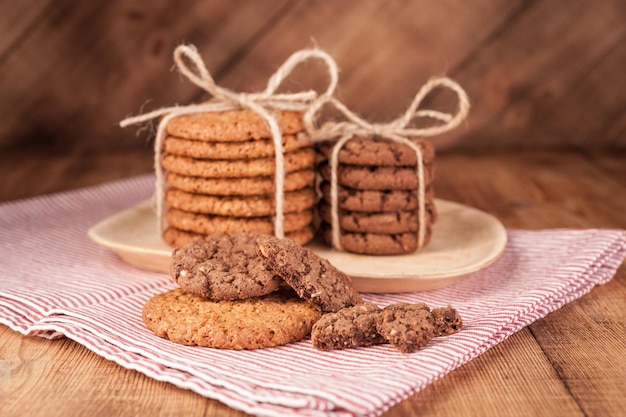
(348, 328)
(311, 276)
(407, 327)
(447, 321)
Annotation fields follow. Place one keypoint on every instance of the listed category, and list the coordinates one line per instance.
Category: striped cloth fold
(55, 282)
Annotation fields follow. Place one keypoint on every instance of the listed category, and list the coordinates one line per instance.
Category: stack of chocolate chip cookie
(220, 171)
(377, 195)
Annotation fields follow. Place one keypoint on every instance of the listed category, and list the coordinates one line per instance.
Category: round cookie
(378, 177)
(376, 243)
(208, 224)
(253, 323)
(389, 222)
(240, 186)
(375, 200)
(260, 148)
(232, 125)
(371, 151)
(223, 267)
(312, 276)
(180, 238)
(244, 206)
(238, 168)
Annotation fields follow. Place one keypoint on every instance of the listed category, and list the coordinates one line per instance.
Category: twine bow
(397, 131)
(224, 99)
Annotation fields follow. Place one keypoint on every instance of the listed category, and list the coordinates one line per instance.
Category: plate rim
(374, 283)
(493, 256)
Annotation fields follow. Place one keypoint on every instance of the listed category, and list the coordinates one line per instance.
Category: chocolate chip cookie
(312, 276)
(348, 328)
(223, 267)
(407, 327)
(447, 321)
(377, 151)
(369, 201)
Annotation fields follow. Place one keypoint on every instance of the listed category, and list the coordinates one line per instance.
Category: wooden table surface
(571, 363)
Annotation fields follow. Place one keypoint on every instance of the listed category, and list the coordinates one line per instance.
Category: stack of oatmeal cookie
(220, 171)
(377, 195)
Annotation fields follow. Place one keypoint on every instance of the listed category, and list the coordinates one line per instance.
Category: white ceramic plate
(464, 240)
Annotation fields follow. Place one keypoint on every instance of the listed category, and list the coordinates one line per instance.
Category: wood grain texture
(86, 66)
(17, 22)
(29, 363)
(519, 387)
(543, 190)
(587, 368)
(569, 363)
(45, 172)
(539, 74)
(550, 76)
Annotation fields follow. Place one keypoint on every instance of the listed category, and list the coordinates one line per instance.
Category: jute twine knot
(397, 131)
(223, 99)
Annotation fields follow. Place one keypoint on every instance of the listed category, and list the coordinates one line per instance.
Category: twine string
(224, 99)
(397, 131)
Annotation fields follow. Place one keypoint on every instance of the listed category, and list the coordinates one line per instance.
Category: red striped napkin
(55, 281)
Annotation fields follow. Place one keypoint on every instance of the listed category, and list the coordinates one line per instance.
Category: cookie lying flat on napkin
(251, 323)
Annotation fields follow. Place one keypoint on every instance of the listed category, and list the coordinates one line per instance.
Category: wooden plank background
(540, 74)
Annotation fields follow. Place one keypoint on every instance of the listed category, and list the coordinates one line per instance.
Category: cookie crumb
(447, 321)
